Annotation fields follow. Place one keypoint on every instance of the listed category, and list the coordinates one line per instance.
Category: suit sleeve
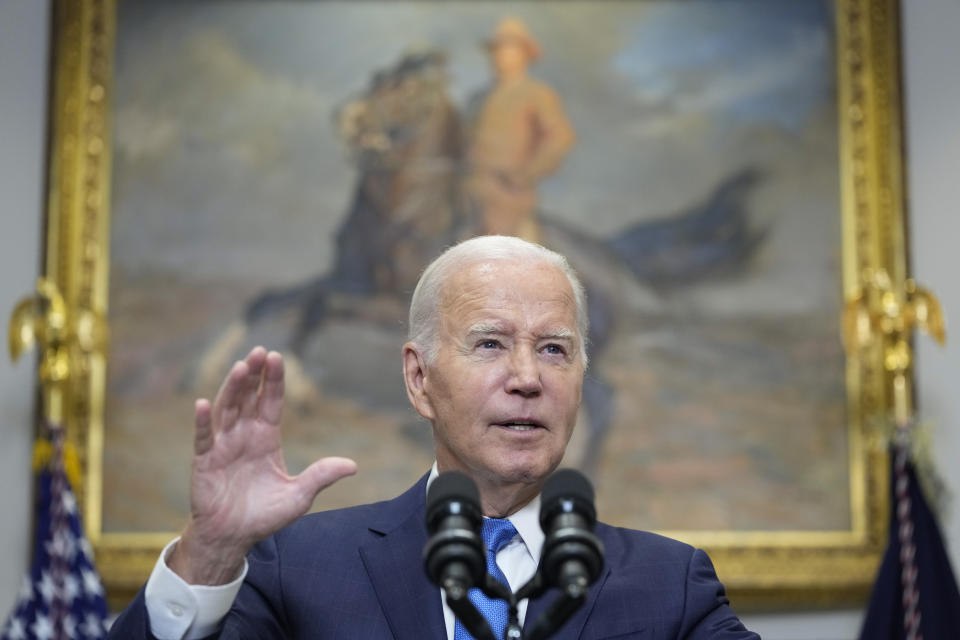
(133, 623)
(706, 610)
(257, 612)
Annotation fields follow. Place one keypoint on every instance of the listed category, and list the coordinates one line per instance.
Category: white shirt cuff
(181, 611)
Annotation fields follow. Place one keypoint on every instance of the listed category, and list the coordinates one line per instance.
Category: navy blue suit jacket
(358, 573)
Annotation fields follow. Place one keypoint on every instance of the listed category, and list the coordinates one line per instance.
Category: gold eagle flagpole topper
(885, 315)
(62, 337)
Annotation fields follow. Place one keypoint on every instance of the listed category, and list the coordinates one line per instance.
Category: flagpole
(62, 594)
(884, 315)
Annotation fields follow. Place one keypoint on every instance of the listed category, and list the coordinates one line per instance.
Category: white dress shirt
(181, 611)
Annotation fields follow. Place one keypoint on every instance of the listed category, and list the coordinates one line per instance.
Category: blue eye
(489, 344)
(555, 349)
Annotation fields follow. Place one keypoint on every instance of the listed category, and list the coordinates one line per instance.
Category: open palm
(240, 490)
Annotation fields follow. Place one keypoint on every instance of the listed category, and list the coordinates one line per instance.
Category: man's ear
(414, 375)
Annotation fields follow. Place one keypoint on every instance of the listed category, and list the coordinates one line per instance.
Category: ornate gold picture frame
(762, 569)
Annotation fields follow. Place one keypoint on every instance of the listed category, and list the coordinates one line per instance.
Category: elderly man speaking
(495, 362)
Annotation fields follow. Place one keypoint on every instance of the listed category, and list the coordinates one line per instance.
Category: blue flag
(915, 595)
(62, 596)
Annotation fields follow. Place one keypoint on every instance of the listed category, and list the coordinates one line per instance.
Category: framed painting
(722, 175)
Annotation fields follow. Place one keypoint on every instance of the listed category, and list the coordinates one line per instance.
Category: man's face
(509, 57)
(504, 389)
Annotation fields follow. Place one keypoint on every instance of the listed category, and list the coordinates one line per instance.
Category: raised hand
(240, 491)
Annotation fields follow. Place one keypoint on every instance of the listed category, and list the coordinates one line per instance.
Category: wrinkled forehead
(512, 280)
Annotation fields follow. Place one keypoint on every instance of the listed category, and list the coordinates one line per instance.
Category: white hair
(425, 305)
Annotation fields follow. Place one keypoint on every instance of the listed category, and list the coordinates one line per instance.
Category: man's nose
(524, 375)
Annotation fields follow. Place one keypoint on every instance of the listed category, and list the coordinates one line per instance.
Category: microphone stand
(571, 598)
(493, 588)
(459, 602)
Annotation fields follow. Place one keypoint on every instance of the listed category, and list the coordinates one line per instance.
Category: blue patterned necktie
(496, 532)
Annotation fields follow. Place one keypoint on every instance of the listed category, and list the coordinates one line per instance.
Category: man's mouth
(520, 425)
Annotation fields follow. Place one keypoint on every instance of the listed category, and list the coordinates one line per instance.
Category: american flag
(62, 597)
(915, 596)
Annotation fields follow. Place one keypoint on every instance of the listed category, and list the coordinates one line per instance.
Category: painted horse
(404, 138)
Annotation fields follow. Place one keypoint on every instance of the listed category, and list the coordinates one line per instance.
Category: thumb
(323, 473)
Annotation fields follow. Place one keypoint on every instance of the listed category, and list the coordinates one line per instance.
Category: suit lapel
(535, 608)
(410, 602)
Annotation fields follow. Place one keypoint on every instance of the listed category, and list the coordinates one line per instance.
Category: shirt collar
(526, 521)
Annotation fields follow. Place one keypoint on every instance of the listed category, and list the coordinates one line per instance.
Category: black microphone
(572, 555)
(454, 555)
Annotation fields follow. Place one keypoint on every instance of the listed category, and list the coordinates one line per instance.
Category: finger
(271, 394)
(323, 473)
(203, 427)
(248, 400)
(226, 406)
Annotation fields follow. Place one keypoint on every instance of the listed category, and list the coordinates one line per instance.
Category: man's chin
(524, 471)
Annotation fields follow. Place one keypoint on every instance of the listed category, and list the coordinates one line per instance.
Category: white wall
(932, 104)
(933, 130)
(23, 79)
